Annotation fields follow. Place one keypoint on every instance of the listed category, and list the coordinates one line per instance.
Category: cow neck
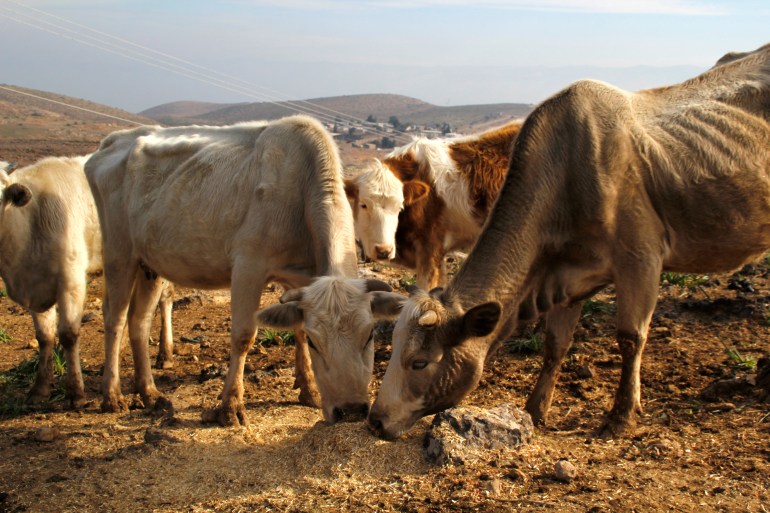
(499, 265)
(330, 221)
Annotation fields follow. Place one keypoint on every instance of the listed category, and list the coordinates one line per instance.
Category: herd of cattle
(596, 186)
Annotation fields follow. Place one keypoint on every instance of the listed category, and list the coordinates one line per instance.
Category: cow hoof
(310, 398)
(114, 404)
(164, 363)
(36, 397)
(162, 408)
(78, 402)
(538, 417)
(226, 417)
(616, 428)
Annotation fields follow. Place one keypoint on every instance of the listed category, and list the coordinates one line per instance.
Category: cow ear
(292, 295)
(414, 191)
(386, 305)
(351, 189)
(17, 194)
(373, 285)
(412, 289)
(481, 320)
(288, 315)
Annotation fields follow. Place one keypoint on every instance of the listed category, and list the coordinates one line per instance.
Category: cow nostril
(383, 252)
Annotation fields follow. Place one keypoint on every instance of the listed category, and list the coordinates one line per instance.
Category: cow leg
(637, 293)
(119, 283)
(245, 293)
(559, 325)
(165, 359)
(147, 293)
(304, 378)
(70, 316)
(45, 333)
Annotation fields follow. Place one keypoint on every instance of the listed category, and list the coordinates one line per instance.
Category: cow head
(337, 315)
(377, 197)
(438, 356)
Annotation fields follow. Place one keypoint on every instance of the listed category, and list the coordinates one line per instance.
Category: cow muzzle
(383, 251)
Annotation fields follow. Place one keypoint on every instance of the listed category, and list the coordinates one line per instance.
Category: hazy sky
(136, 54)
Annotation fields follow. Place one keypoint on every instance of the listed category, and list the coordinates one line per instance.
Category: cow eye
(371, 338)
(310, 343)
(363, 205)
(419, 364)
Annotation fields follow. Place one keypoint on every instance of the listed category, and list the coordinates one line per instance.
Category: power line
(148, 56)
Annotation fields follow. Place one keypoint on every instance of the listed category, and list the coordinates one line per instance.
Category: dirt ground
(688, 453)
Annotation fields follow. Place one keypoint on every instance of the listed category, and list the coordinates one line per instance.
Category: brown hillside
(36, 124)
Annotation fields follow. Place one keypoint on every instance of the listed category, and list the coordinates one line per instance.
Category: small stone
(493, 487)
(46, 434)
(585, 371)
(88, 317)
(564, 471)
(33, 344)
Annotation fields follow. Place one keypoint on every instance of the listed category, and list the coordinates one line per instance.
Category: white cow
(238, 206)
(49, 241)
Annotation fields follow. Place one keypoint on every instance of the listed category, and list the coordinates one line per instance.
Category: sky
(136, 54)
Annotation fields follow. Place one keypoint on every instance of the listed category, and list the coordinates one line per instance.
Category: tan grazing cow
(429, 198)
(49, 242)
(238, 206)
(605, 186)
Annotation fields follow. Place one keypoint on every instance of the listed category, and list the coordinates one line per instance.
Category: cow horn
(291, 295)
(429, 318)
(373, 285)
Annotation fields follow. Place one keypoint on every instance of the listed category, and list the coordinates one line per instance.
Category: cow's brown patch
(483, 162)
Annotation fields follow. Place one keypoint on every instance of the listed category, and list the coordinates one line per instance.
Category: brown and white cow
(605, 186)
(428, 198)
(49, 242)
(238, 206)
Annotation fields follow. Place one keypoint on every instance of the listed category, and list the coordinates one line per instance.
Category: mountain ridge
(358, 107)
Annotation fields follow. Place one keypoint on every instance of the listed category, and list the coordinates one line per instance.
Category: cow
(429, 198)
(604, 186)
(49, 243)
(238, 206)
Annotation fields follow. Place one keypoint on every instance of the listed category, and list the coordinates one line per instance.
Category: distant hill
(36, 124)
(24, 101)
(408, 110)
